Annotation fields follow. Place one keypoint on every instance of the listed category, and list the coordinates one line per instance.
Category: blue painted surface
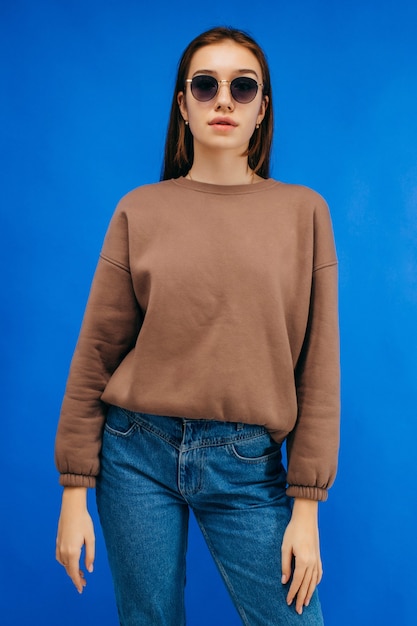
(85, 93)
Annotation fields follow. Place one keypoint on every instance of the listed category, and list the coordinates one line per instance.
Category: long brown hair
(179, 153)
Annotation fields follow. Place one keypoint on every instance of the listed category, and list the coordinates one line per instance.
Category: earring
(257, 126)
(186, 122)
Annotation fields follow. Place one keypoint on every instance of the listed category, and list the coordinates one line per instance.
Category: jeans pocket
(119, 422)
(256, 449)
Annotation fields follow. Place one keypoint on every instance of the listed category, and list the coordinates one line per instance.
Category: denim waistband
(198, 432)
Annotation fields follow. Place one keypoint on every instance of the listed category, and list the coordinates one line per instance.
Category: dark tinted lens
(204, 88)
(244, 89)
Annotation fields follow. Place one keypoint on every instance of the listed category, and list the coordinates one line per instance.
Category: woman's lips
(223, 122)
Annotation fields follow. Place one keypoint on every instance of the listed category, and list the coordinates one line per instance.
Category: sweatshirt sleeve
(109, 330)
(312, 447)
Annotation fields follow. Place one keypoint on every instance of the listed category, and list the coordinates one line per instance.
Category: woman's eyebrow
(244, 71)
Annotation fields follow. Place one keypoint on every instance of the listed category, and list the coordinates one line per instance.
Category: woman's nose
(224, 96)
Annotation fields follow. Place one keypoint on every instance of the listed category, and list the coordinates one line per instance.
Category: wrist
(75, 495)
(305, 508)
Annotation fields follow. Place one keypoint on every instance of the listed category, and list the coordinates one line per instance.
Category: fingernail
(91, 569)
(284, 579)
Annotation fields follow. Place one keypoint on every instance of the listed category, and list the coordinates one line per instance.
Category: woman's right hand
(75, 530)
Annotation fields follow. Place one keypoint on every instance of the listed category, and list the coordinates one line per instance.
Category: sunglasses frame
(223, 82)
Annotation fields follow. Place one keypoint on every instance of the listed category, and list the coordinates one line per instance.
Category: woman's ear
(181, 104)
(263, 108)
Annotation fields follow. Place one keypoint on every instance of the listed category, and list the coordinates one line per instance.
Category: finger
(58, 553)
(304, 588)
(71, 562)
(320, 573)
(62, 554)
(297, 581)
(58, 556)
(286, 562)
(313, 584)
(90, 553)
(77, 576)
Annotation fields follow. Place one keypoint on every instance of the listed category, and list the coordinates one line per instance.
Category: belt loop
(239, 426)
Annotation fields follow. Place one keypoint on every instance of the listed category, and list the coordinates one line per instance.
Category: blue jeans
(153, 469)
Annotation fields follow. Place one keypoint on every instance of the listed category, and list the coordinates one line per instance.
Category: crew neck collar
(195, 185)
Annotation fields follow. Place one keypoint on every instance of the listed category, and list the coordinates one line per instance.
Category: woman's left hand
(301, 543)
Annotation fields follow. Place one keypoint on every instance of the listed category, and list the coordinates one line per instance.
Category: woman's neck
(223, 169)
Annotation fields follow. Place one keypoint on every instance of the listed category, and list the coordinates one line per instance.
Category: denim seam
(205, 443)
(255, 459)
(118, 433)
(222, 441)
(259, 432)
(223, 572)
(160, 435)
(141, 423)
(181, 484)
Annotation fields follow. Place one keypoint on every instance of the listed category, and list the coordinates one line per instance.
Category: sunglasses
(242, 88)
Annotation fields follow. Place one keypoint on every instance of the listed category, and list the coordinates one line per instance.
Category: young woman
(209, 338)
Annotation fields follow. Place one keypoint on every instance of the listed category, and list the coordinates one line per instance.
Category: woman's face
(236, 121)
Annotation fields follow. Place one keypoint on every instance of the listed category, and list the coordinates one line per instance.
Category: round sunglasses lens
(244, 89)
(204, 88)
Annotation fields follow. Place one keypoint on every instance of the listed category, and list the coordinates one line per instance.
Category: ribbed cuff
(309, 493)
(77, 480)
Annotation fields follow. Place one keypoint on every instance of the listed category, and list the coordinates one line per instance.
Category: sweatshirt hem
(77, 480)
(308, 493)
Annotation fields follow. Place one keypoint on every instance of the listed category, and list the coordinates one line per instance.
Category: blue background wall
(85, 95)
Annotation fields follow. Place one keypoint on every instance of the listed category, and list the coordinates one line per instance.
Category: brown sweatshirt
(214, 302)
